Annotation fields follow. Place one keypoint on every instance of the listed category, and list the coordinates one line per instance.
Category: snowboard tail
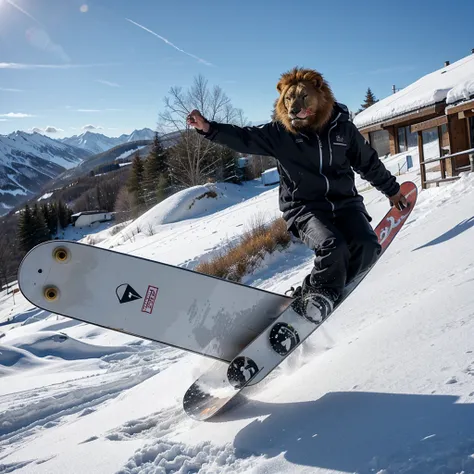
(195, 312)
(213, 391)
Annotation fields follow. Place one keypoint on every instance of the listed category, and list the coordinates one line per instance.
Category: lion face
(305, 101)
(301, 103)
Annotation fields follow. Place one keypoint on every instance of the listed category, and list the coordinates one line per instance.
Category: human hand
(196, 120)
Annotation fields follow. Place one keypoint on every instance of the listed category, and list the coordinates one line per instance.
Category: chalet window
(412, 138)
(406, 139)
(380, 142)
(431, 143)
(402, 142)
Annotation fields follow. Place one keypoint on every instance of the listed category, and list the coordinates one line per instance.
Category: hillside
(385, 386)
(124, 151)
(118, 152)
(28, 161)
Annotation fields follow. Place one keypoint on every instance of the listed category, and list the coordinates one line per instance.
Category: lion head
(306, 100)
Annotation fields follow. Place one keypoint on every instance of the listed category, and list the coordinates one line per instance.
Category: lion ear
(317, 80)
(279, 87)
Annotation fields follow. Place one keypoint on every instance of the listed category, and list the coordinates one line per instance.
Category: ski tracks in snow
(27, 414)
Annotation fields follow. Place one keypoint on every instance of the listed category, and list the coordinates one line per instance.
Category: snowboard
(213, 390)
(178, 307)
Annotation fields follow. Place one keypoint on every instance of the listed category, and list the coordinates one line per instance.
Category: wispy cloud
(91, 127)
(48, 129)
(39, 39)
(96, 111)
(16, 115)
(107, 83)
(7, 89)
(203, 61)
(22, 10)
(3, 120)
(52, 66)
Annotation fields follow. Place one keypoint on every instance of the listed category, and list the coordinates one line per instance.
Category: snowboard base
(213, 390)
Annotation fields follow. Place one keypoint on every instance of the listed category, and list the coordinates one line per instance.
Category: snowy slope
(144, 134)
(98, 143)
(385, 386)
(28, 161)
(453, 82)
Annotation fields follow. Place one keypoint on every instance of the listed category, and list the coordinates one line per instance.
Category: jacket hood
(340, 112)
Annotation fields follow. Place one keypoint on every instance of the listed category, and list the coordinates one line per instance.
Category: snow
(39, 145)
(182, 208)
(126, 154)
(13, 192)
(270, 176)
(385, 386)
(45, 196)
(453, 83)
(462, 91)
(98, 143)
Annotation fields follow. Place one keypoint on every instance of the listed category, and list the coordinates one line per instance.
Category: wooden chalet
(434, 114)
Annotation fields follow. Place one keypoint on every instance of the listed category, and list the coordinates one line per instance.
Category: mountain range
(30, 160)
(98, 143)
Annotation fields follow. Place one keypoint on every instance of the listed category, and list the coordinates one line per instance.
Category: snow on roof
(87, 213)
(451, 83)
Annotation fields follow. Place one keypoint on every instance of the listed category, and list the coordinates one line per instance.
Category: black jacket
(316, 170)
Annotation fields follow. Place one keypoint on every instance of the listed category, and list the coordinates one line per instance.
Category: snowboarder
(317, 148)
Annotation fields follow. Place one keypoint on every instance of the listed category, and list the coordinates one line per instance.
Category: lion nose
(295, 110)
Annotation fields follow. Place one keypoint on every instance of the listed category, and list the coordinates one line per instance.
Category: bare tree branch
(194, 159)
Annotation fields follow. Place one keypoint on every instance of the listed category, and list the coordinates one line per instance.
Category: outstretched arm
(365, 160)
(253, 140)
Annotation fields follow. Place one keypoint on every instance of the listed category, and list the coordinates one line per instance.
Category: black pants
(344, 246)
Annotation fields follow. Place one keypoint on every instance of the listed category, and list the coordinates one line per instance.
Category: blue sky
(81, 64)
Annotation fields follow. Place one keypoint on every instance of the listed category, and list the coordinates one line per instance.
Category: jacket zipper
(323, 175)
(329, 140)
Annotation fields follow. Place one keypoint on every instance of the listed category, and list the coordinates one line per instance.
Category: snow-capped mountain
(28, 161)
(144, 134)
(93, 142)
(98, 143)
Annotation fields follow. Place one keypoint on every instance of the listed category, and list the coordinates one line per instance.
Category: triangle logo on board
(126, 294)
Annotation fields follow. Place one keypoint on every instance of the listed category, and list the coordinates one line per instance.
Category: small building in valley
(435, 114)
(88, 218)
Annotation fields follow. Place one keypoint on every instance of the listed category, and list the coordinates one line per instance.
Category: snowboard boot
(314, 304)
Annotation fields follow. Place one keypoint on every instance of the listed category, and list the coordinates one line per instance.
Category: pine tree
(25, 230)
(228, 171)
(369, 99)
(156, 164)
(63, 215)
(46, 215)
(40, 229)
(50, 217)
(135, 181)
(161, 189)
(54, 218)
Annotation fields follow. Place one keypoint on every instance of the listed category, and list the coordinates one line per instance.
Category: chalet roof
(451, 83)
(86, 213)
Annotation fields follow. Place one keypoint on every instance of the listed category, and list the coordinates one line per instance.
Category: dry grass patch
(239, 259)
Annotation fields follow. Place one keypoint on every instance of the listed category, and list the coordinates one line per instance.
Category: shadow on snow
(450, 234)
(361, 431)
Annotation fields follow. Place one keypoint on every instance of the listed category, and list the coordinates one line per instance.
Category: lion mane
(321, 98)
